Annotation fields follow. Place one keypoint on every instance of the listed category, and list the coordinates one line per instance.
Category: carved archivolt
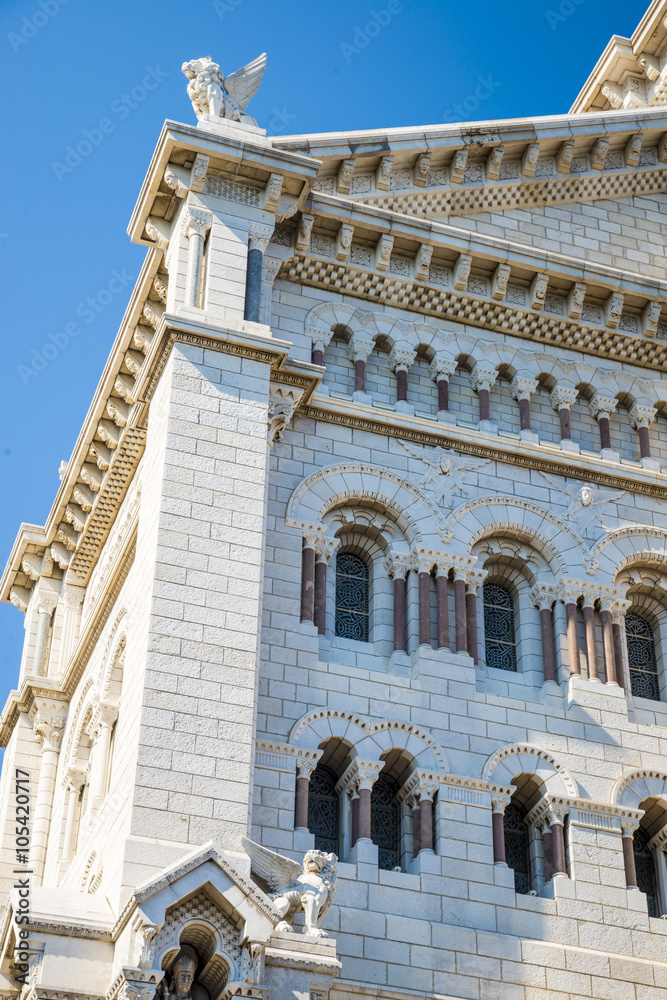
(456, 342)
(524, 758)
(620, 548)
(369, 740)
(635, 786)
(321, 492)
(78, 724)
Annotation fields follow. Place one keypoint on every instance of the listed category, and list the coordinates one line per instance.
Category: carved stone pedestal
(298, 965)
(135, 984)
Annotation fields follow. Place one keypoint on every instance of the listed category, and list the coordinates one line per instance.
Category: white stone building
(362, 547)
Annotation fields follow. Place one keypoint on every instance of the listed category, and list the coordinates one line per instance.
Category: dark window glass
(641, 657)
(385, 824)
(351, 597)
(323, 809)
(517, 853)
(499, 627)
(645, 868)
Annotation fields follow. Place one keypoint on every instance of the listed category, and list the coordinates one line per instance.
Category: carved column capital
(425, 790)
(360, 775)
(482, 377)
(398, 565)
(401, 357)
(45, 604)
(543, 596)
(522, 388)
(283, 401)
(259, 236)
(474, 579)
(562, 398)
(104, 715)
(641, 416)
(618, 610)
(556, 814)
(360, 347)
(442, 368)
(628, 827)
(49, 724)
(601, 406)
(499, 803)
(74, 779)
(305, 767)
(325, 548)
(197, 222)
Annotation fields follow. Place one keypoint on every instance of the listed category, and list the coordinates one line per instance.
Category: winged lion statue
(224, 97)
(309, 886)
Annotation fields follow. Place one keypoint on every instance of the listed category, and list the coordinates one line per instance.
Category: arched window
(641, 657)
(517, 852)
(499, 627)
(645, 869)
(323, 809)
(352, 593)
(385, 823)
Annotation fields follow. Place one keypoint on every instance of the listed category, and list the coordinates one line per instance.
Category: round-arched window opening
(499, 633)
(385, 823)
(352, 597)
(642, 663)
(323, 809)
(517, 852)
(645, 870)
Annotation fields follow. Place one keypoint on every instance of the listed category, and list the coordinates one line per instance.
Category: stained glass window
(499, 627)
(323, 809)
(641, 657)
(517, 852)
(645, 868)
(385, 824)
(351, 597)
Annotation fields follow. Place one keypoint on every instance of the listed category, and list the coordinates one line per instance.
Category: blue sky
(65, 259)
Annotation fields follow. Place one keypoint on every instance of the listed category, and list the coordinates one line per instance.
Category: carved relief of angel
(310, 886)
(586, 503)
(444, 471)
(225, 97)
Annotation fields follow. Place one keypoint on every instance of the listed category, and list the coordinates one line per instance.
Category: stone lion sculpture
(310, 886)
(224, 97)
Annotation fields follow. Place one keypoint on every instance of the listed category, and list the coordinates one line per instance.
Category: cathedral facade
(346, 635)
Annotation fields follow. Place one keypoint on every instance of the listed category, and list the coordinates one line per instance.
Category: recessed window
(641, 657)
(323, 809)
(645, 870)
(351, 597)
(517, 852)
(499, 633)
(385, 824)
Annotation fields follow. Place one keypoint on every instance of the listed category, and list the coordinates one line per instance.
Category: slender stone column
(354, 801)
(45, 607)
(71, 598)
(499, 803)
(460, 611)
(562, 400)
(75, 781)
(398, 567)
(308, 577)
(401, 357)
(543, 597)
(323, 552)
(258, 240)
(628, 828)
(601, 409)
(618, 636)
(557, 820)
(569, 599)
(547, 840)
(589, 626)
(424, 576)
(304, 769)
(474, 579)
(522, 389)
(441, 370)
(196, 224)
(359, 349)
(608, 640)
(481, 381)
(441, 593)
(641, 417)
(415, 807)
(102, 725)
(317, 353)
(48, 728)
(365, 780)
(426, 795)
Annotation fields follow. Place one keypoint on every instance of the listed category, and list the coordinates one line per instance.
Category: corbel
(461, 272)
(501, 276)
(575, 300)
(383, 173)
(633, 148)
(651, 318)
(344, 176)
(493, 162)
(421, 169)
(613, 308)
(529, 159)
(599, 153)
(423, 262)
(538, 291)
(383, 253)
(344, 242)
(272, 192)
(564, 157)
(458, 165)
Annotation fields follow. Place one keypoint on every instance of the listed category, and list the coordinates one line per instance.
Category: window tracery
(517, 851)
(499, 627)
(323, 818)
(385, 823)
(645, 870)
(642, 663)
(352, 597)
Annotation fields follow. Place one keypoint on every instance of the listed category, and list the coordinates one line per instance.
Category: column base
(610, 455)
(359, 396)
(567, 445)
(445, 417)
(487, 426)
(426, 863)
(529, 436)
(650, 463)
(402, 406)
(364, 852)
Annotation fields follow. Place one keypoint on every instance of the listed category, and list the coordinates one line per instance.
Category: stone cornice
(584, 812)
(472, 442)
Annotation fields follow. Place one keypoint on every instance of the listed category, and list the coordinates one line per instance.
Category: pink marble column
(481, 381)
(323, 552)
(304, 769)
(416, 825)
(557, 818)
(547, 840)
(499, 804)
(398, 569)
(641, 417)
(562, 400)
(628, 828)
(572, 637)
(618, 635)
(601, 408)
(359, 349)
(544, 599)
(473, 581)
(608, 641)
(424, 578)
(354, 824)
(442, 600)
(426, 795)
(460, 612)
(589, 628)
(307, 579)
(401, 357)
(522, 389)
(441, 370)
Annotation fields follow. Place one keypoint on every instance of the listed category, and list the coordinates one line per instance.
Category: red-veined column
(398, 569)
(641, 418)
(543, 598)
(601, 409)
(359, 349)
(324, 549)
(562, 400)
(304, 770)
(308, 577)
(589, 629)
(320, 343)
(569, 599)
(441, 370)
(522, 389)
(415, 809)
(606, 605)
(556, 817)
(366, 778)
(442, 603)
(426, 792)
(499, 804)
(401, 357)
(460, 610)
(547, 841)
(482, 379)
(618, 634)
(628, 828)
(423, 568)
(474, 580)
